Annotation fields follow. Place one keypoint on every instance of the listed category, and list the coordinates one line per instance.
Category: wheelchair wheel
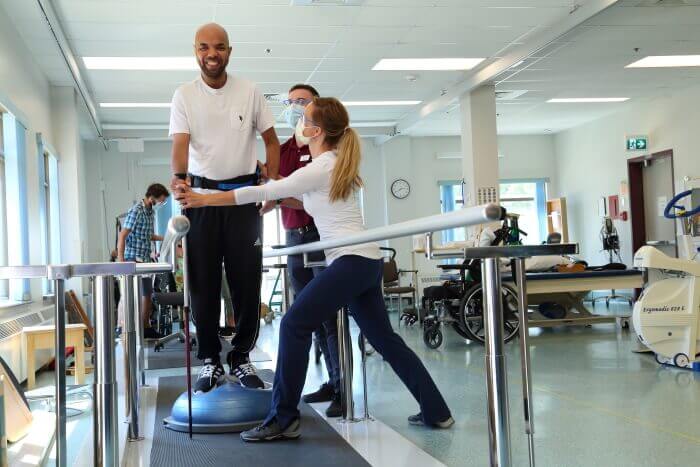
(471, 315)
(432, 336)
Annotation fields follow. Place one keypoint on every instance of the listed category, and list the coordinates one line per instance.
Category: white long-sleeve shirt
(312, 184)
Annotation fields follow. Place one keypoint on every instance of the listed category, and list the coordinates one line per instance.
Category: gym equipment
(228, 408)
(666, 317)
(611, 244)
(18, 417)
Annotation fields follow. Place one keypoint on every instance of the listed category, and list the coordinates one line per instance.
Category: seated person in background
(135, 242)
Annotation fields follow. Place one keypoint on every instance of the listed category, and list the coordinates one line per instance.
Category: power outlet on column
(485, 195)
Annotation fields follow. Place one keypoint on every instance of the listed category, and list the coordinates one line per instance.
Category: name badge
(305, 158)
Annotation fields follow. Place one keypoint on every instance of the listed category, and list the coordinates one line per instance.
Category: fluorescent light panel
(141, 105)
(134, 105)
(378, 103)
(426, 64)
(586, 100)
(140, 63)
(666, 61)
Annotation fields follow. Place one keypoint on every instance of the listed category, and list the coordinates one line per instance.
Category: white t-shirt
(312, 185)
(222, 125)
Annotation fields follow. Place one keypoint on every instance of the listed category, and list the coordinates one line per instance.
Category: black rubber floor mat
(319, 445)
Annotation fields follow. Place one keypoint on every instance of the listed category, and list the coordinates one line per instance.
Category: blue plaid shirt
(139, 220)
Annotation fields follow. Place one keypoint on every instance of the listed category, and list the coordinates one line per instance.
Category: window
(528, 199)
(4, 284)
(50, 221)
(452, 199)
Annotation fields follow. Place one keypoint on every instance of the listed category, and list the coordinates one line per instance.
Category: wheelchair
(460, 302)
(167, 302)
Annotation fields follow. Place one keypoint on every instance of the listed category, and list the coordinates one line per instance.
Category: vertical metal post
(496, 377)
(188, 342)
(130, 360)
(345, 359)
(137, 292)
(363, 351)
(106, 441)
(60, 335)
(3, 432)
(525, 356)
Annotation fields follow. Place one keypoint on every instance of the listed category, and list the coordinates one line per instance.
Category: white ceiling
(335, 47)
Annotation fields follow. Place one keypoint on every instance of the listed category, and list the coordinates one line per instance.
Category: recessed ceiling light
(133, 105)
(378, 103)
(429, 64)
(140, 63)
(666, 61)
(585, 100)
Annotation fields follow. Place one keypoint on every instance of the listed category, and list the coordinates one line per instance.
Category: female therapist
(353, 277)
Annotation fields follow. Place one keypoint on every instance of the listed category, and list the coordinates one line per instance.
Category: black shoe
(151, 334)
(334, 410)
(271, 432)
(417, 419)
(209, 376)
(324, 394)
(227, 331)
(244, 371)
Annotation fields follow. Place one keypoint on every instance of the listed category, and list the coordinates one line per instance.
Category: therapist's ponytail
(330, 114)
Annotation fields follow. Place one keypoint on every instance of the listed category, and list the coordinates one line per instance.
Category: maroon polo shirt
(293, 157)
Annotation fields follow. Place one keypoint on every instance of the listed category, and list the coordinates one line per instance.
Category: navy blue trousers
(352, 281)
(327, 333)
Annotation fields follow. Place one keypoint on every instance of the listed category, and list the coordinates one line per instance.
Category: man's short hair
(306, 87)
(157, 190)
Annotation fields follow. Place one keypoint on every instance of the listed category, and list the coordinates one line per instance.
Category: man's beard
(213, 74)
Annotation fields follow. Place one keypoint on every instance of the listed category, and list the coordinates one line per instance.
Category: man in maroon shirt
(300, 228)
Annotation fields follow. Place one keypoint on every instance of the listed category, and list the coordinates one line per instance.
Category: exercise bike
(666, 317)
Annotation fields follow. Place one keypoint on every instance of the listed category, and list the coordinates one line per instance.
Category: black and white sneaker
(271, 432)
(244, 371)
(417, 419)
(209, 376)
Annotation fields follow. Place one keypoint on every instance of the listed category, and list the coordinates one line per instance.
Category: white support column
(479, 146)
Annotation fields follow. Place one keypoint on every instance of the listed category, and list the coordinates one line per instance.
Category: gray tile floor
(596, 403)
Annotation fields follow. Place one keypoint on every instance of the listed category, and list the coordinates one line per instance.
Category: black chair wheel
(158, 347)
(432, 336)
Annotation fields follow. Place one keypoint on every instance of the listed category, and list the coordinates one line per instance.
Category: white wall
(528, 156)
(591, 160)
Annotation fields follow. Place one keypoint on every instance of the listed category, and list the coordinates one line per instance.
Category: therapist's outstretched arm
(191, 199)
(272, 152)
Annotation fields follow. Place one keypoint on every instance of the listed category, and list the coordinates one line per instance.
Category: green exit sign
(637, 143)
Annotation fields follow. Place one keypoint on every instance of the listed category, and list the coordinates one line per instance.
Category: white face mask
(299, 134)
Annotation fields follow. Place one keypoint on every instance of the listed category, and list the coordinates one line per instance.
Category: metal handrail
(462, 218)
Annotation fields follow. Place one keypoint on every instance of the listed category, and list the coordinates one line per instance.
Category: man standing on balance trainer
(213, 122)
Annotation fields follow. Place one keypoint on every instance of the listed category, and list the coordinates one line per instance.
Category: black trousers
(231, 235)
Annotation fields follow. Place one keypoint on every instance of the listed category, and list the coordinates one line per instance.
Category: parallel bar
(188, 342)
(22, 272)
(363, 352)
(178, 226)
(60, 336)
(463, 217)
(496, 376)
(345, 359)
(130, 359)
(102, 269)
(139, 327)
(106, 433)
(525, 356)
(153, 268)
